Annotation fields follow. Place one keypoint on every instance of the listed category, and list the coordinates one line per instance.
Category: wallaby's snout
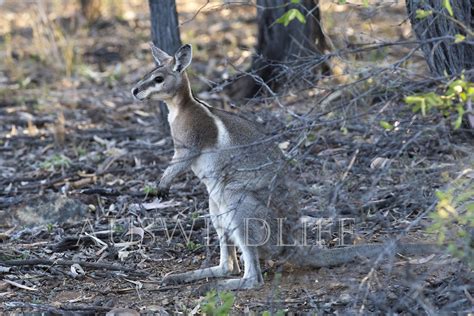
(135, 91)
(163, 81)
(141, 92)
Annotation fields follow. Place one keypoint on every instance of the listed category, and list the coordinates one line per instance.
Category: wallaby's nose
(135, 92)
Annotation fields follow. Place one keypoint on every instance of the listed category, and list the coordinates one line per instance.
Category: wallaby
(252, 204)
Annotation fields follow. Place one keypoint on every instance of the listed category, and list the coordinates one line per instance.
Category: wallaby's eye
(158, 79)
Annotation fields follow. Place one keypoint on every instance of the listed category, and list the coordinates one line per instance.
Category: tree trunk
(164, 31)
(282, 51)
(91, 10)
(444, 56)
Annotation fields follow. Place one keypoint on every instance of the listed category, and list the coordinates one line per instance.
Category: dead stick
(94, 265)
(41, 307)
(68, 307)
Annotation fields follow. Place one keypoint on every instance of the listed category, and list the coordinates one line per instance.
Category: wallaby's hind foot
(228, 266)
(186, 277)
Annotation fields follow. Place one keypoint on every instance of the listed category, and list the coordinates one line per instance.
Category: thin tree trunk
(445, 56)
(91, 10)
(282, 49)
(164, 31)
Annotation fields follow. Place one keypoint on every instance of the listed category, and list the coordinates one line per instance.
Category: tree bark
(164, 31)
(282, 49)
(91, 10)
(444, 56)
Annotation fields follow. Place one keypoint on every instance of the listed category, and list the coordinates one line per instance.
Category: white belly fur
(205, 165)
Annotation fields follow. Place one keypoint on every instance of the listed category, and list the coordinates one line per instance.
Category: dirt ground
(79, 159)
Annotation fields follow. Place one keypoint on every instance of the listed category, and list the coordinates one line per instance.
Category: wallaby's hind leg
(228, 262)
(244, 205)
(252, 275)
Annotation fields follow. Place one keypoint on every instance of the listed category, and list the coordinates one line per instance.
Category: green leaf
(386, 125)
(284, 19)
(458, 38)
(441, 195)
(342, 1)
(365, 3)
(423, 107)
(295, 1)
(457, 123)
(227, 299)
(280, 312)
(421, 14)
(448, 7)
(300, 17)
(433, 99)
(413, 99)
(289, 16)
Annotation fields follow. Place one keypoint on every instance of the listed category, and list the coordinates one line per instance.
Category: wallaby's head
(163, 82)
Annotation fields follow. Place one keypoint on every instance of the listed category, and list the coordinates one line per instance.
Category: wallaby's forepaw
(163, 193)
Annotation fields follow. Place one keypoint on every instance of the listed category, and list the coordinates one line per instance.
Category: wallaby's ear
(182, 58)
(159, 55)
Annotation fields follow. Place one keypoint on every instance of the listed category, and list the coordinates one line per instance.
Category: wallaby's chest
(172, 114)
(205, 167)
(211, 164)
(193, 127)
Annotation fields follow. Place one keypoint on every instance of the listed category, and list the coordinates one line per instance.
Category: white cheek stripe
(155, 88)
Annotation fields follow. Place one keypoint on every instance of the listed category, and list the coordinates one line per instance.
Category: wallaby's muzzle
(136, 94)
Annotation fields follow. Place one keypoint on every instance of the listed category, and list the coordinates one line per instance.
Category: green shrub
(453, 219)
(451, 102)
(217, 304)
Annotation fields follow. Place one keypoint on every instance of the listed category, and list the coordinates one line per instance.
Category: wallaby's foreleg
(182, 160)
(228, 262)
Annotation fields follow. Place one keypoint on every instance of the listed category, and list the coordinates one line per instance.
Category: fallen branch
(21, 286)
(60, 310)
(93, 265)
(115, 192)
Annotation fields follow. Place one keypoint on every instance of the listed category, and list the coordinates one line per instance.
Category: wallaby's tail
(316, 257)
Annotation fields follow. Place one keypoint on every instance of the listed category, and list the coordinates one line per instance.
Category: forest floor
(79, 159)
